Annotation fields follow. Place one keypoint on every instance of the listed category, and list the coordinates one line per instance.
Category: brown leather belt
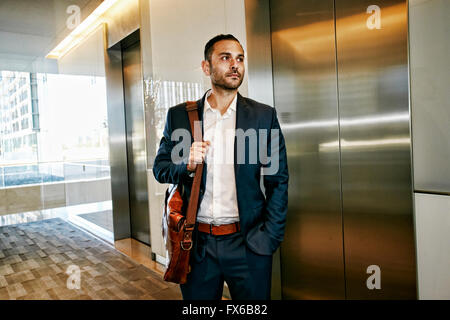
(220, 230)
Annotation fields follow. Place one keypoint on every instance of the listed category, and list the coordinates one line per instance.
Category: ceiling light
(81, 31)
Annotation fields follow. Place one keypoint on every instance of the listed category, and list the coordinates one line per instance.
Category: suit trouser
(227, 258)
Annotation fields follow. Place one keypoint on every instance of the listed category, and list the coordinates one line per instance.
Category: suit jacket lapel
(242, 122)
(200, 105)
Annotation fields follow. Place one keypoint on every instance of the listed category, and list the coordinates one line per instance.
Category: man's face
(226, 68)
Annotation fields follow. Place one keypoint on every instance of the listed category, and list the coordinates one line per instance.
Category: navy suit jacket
(262, 214)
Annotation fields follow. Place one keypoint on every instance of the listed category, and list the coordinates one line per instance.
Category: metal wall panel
(117, 142)
(375, 148)
(134, 117)
(305, 96)
(121, 20)
(430, 95)
(259, 53)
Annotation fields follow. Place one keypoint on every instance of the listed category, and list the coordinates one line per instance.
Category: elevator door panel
(134, 115)
(305, 96)
(341, 90)
(375, 149)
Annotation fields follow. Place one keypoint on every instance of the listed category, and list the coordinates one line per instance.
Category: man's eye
(224, 58)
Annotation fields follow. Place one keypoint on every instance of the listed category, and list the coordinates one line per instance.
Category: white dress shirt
(219, 203)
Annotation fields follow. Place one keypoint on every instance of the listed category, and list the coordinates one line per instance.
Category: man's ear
(205, 67)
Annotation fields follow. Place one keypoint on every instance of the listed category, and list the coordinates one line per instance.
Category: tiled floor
(35, 256)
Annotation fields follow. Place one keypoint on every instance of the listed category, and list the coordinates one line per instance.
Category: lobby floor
(92, 220)
(38, 260)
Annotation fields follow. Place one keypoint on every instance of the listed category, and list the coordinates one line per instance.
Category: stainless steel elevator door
(341, 90)
(375, 148)
(305, 95)
(135, 130)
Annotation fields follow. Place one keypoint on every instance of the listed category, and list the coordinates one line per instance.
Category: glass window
(54, 148)
(70, 130)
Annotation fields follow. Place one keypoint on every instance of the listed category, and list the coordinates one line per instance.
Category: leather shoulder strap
(191, 215)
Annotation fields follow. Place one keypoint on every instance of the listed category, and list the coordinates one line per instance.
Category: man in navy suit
(239, 226)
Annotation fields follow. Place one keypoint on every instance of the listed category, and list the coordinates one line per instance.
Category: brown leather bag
(177, 226)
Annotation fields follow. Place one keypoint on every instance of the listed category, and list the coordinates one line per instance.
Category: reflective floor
(139, 252)
(95, 218)
(102, 219)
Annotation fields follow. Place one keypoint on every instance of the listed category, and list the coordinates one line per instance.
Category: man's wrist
(189, 168)
(189, 172)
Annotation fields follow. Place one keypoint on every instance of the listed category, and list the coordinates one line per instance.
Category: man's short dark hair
(210, 44)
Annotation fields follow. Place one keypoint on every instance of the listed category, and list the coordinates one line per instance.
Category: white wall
(180, 30)
(433, 245)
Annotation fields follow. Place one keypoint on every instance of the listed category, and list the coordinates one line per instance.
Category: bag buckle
(188, 228)
(182, 245)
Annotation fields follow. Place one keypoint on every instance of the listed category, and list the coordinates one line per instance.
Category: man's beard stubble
(221, 82)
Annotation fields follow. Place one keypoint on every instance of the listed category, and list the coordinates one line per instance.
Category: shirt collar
(232, 106)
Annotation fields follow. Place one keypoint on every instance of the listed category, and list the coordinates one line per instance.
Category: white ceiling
(29, 29)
